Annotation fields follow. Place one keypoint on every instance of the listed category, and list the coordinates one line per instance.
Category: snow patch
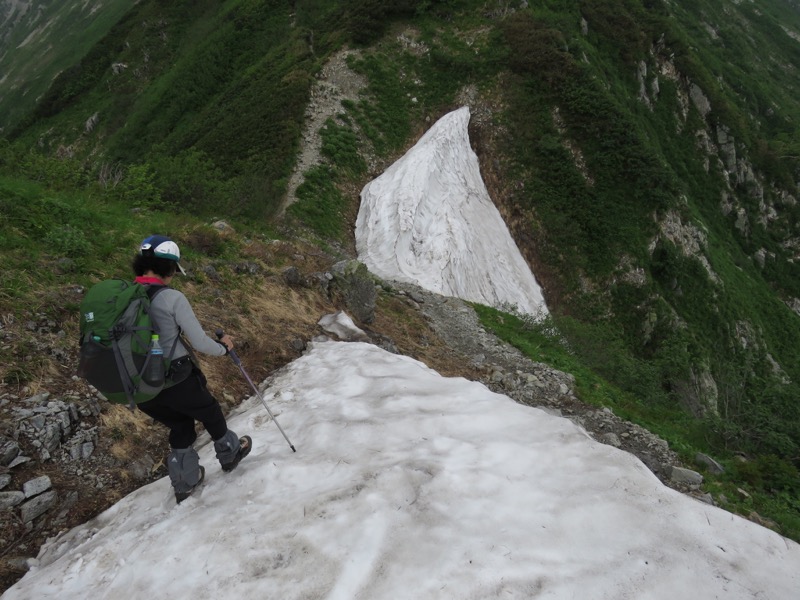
(410, 485)
(429, 220)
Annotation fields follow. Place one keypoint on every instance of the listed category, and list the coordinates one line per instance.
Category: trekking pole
(237, 361)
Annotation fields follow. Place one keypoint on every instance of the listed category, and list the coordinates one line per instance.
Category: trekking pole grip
(220, 334)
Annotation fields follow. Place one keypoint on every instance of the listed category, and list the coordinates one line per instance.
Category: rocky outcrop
(718, 148)
(688, 238)
(354, 282)
(57, 425)
(699, 393)
(48, 464)
(43, 430)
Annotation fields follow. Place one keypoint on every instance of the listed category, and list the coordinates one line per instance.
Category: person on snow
(183, 403)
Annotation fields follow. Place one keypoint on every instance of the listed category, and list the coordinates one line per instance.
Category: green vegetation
(340, 147)
(48, 234)
(320, 204)
(48, 40)
(648, 151)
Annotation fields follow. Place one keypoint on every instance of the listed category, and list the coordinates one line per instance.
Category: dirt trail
(335, 82)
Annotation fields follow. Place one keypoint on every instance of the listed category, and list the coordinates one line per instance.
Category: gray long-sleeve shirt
(174, 315)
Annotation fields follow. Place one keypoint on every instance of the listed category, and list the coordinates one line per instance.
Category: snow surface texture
(407, 484)
(428, 220)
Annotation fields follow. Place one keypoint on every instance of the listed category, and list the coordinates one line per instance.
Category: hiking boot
(181, 496)
(245, 445)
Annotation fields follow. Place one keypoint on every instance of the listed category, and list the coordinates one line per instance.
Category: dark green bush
(189, 180)
(535, 49)
(320, 205)
(769, 473)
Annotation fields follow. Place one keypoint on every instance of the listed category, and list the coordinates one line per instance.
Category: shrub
(770, 473)
(138, 187)
(340, 146)
(537, 50)
(188, 180)
(66, 240)
(320, 205)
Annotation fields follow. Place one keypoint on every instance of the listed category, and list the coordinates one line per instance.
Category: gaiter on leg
(184, 468)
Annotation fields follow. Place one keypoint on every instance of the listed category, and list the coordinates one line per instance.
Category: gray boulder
(9, 450)
(357, 288)
(37, 506)
(712, 465)
(9, 499)
(36, 486)
(686, 476)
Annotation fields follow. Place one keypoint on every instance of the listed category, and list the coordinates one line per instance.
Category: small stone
(20, 460)
(54, 432)
(36, 486)
(687, 476)
(763, 521)
(38, 398)
(74, 452)
(222, 226)
(37, 506)
(611, 439)
(87, 448)
(9, 499)
(292, 276)
(65, 422)
(9, 450)
(651, 462)
(712, 465)
(5, 479)
(37, 421)
(19, 564)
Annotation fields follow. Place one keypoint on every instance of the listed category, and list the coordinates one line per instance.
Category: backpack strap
(126, 366)
(153, 290)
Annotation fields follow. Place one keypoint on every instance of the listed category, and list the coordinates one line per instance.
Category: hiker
(183, 403)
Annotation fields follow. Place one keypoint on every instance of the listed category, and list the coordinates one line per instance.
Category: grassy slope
(50, 38)
(220, 101)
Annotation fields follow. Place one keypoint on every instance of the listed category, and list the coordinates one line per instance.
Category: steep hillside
(40, 39)
(642, 152)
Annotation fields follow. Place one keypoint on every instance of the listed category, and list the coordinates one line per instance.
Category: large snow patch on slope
(428, 220)
(409, 485)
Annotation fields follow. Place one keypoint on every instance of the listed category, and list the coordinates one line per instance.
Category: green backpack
(116, 332)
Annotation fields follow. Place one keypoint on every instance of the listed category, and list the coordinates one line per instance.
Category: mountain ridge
(39, 40)
(642, 154)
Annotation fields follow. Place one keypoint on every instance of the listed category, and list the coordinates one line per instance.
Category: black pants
(179, 406)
